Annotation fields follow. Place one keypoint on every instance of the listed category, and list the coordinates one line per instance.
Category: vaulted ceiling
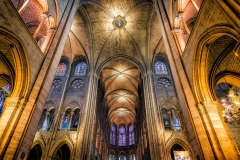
(107, 29)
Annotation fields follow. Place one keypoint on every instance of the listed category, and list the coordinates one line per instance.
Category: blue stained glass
(113, 135)
(132, 157)
(131, 135)
(111, 157)
(80, 69)
(122, 136)
(4, 92)
(160, 68)
(1, 101)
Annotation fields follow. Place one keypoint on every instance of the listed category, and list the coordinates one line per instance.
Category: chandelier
(231, 104)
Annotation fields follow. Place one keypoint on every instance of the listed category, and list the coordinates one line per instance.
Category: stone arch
(200, 79)
(140, 66)
(230, 78)
(180, 142)
(36, 152)
(50, 104)
(168, 104)
(40, 142)
(59, 144)
(18, 60)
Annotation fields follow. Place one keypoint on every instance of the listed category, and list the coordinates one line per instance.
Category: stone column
(223, 145)
(89, 117)
(155, 132)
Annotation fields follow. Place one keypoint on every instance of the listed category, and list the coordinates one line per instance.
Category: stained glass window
(2, 98)
(163, 82)
(112, 156)
(160, 68)
(80, 69)
(175, 121)
(132, 157)
(4, 92)
(122, 136)
(166, 119)
(122, 157)
(43, 117)
(61, 69)
(131, 135)
(56, 83)
(65, 120)
(75, 119)
(50, 119)
(113, 135)
(77, 83)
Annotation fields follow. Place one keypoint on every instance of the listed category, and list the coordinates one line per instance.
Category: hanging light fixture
(231, 105)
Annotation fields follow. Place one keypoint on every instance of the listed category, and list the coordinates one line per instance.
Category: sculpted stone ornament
(119, 22)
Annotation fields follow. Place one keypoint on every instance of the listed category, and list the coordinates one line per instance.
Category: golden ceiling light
(119, 22)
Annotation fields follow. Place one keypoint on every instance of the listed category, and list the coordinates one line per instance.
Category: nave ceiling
(95, 35)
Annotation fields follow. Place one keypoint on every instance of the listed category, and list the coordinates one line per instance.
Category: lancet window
(122, 157)
(113, 135)
(75, 119)
(122, 136)
(131, 135)
(166, 119)
(61, 69)
(80, 69)
(160, 68)
(112, 156)
(65, 119)
(132, 157)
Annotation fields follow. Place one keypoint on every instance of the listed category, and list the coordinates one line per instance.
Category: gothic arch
(59, 144)
(200, 79)
(140, 66)
(168, 104)
(180, 142)
(40, 142)
(50, 104)
(19, 63)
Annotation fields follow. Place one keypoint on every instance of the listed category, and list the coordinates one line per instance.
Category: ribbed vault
(120, 80)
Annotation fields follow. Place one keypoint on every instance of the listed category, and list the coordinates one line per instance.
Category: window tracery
(80, 69)
(122, 136)
(77, 83)
(61, 69)
(56, 83)
(160, 68)
(163, 82)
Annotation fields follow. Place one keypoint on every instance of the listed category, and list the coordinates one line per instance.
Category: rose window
(56, 83)
(77, 83)
(163, 82)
